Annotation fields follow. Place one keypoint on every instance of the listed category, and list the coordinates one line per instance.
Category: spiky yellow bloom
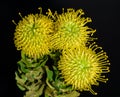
(84, 67)
(71, 29)
(32, 35)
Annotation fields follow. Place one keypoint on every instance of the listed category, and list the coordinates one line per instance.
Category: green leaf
(40, 92)
(56, 72)
(28, 64)
(24, 78)
(44, 61)
(23, 55)
(72, 94)
(49, 74)
(22, 67)
(55, 55)
(19, 80)
(46, 95)
(33, 64)
(21, 87)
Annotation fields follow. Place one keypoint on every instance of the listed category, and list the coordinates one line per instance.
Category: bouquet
(59, 55)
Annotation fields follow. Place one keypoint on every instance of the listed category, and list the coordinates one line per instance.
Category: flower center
(83, 65)
(70, 28)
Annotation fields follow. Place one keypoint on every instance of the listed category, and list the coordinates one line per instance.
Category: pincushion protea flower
(71, 29)
(32, 35)
(83, 67)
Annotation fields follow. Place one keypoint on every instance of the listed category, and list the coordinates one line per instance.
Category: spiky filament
(83, 67)
(71, 29)
(32, 35)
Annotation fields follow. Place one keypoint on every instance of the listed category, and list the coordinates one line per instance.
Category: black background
(105, 16)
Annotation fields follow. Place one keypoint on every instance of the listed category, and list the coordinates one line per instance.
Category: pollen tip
(96, 93)
(20, 15)
(93, 92)
(63, 10)
(40, 8)
(13, 21)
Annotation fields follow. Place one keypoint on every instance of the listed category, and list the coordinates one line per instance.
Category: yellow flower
(83, 67)
(71, 29)
(32, 35)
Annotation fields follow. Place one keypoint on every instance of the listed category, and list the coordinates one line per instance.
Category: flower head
(71, 29)
(84, 67)
(32, 35)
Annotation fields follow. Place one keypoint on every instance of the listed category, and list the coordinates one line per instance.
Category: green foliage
(37, 79)
(49, 74)
(29, 76)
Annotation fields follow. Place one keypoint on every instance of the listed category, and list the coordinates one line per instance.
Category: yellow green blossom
(83, 67)
(70, 29)
(32, 35)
